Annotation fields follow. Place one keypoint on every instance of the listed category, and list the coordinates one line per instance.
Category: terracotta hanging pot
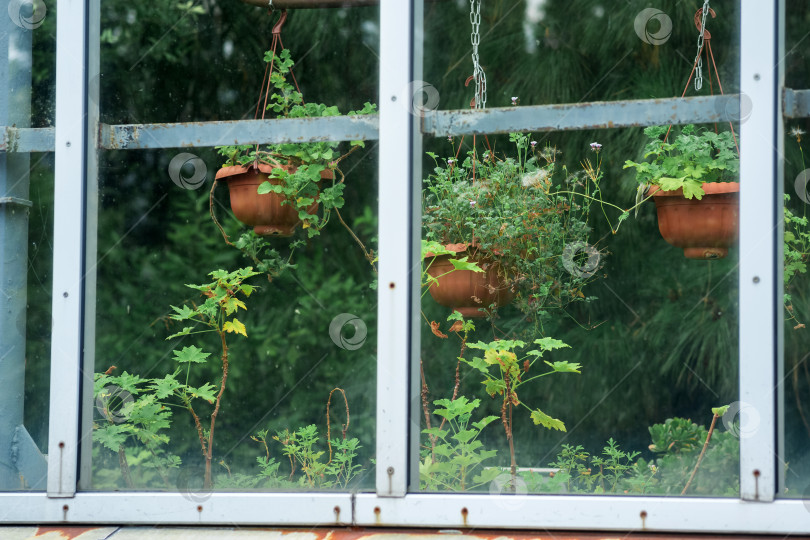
(705, 228)
(264, 213)
(464, 290)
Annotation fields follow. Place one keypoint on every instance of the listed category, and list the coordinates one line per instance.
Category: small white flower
(796, 132)
(515, 100)
(472, 203)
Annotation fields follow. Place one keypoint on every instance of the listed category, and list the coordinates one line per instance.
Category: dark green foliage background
(660, 341)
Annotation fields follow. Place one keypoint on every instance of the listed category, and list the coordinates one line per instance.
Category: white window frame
(396, 502)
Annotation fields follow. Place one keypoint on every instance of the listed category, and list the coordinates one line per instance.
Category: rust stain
(372, 533)
(377, 515)
(464, 514)
(68, 533)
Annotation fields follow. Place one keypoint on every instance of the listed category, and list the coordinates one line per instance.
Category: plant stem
(506, 418)
(124, 466)
(367, 254)
(198, 425)
(328, 427)
(702, 453)
(513, 463)
(207, 484)
(425, 408)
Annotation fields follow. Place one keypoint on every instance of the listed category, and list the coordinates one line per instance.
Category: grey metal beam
(578, 116)
(796, 103)
(21, 463)
(25, 140)
(196, 134)
(306, 4)
(565, 117)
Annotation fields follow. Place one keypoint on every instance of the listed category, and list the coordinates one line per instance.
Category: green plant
(689, 460)
(693, 157)
(454, 459)
(796, 240)
(504, 372)
(300, 448)
(217, 314)
(132, 417)
(297, 166)
(515, 209)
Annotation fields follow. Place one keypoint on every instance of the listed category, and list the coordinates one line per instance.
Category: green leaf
(184, 332)
(463, 264)
(206, 392)
(111, 436)
(166, 386)
(232, 304)
(487, 475)
(466, 435)
(484, 422)
(693, 189)
(267, 187)
(191, 355)
(564, 367)
(542, 419)
(183, 313)
(720, 411)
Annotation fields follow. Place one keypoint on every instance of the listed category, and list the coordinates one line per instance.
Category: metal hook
(466, 84)
(698, 18)
(282, 19)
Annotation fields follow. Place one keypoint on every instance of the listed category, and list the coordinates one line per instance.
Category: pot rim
(234, 170)
(711, 188)
(469, 247)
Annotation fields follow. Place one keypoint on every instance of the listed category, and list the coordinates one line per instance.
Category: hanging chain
(698, 59)
(478, 73)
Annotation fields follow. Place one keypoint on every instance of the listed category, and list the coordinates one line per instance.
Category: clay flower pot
(264, 213)
(466, 291)
(705, 228)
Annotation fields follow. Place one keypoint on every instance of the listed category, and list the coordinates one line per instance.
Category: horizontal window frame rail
(581, 116)
(795, 103)
(592, 513)
(25, 140)
(191, 507)
(560, 117)
(316, 4)
(237, 132)
(423, 510)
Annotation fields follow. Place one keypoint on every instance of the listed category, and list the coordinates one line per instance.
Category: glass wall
(580, 331)
(796, 382)
(235, 328)
(27, 72)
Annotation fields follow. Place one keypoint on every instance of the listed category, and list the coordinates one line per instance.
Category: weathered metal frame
(21, 461)
(572, 116)
(392, 505)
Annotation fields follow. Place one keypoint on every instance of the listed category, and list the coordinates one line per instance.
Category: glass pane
(26, 232)
(556, 51)
(569, 344)
(796, 460)
(246, 362)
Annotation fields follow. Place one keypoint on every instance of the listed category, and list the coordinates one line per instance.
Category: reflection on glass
(576, 337)
(235, 329)
(26, 228)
